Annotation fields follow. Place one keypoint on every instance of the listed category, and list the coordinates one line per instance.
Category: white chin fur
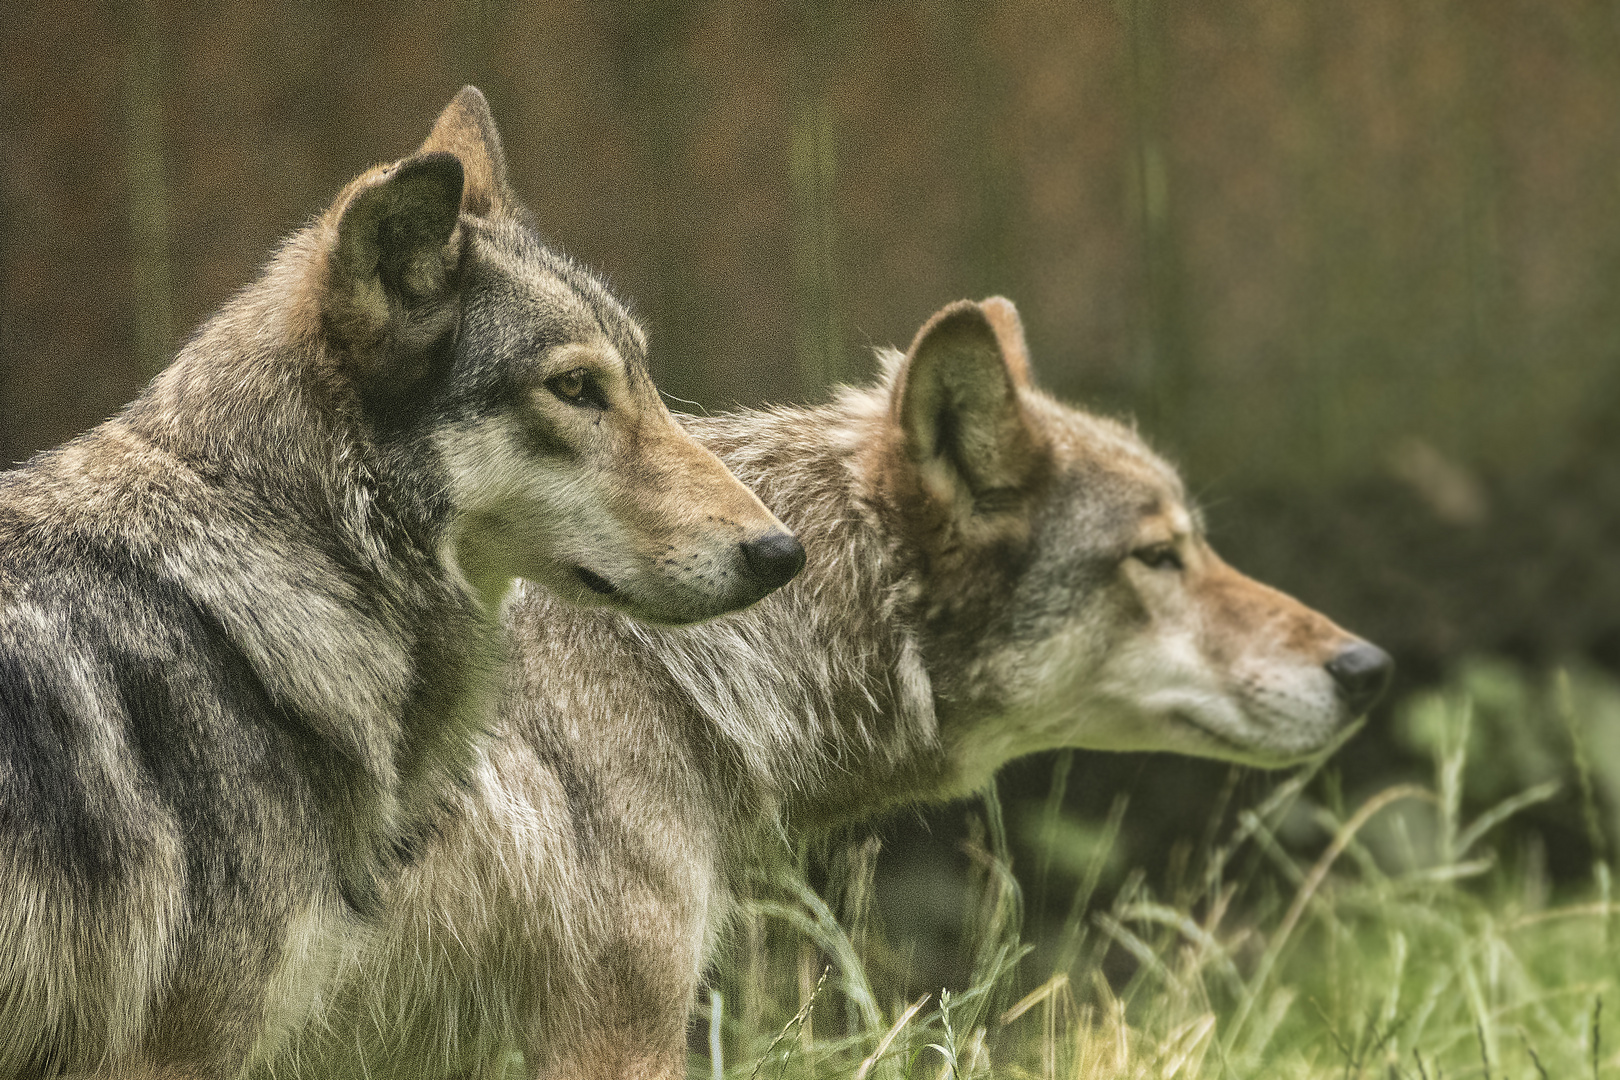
(1161, 695)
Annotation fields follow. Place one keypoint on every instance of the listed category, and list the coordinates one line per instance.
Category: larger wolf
(247, 626)
(990, 573)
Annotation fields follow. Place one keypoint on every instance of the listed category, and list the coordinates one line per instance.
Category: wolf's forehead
(1157, 495)
(556, 296)
(1096, 443)
(1115, 474)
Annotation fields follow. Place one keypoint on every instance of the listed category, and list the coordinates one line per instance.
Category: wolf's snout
(773, 559)
(1363, 671)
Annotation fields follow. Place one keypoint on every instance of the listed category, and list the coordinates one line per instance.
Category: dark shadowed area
(1350, 263)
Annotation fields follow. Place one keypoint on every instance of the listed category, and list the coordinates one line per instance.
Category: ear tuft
(391, 289)
(466, 128)
(956, 406)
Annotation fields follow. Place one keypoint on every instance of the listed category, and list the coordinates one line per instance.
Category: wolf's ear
(956, 407)
(391, 294)
(1009, 328)
(466, 129)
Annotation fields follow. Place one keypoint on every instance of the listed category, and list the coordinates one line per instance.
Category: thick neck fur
(247, 476)
(815, 706)
(828, 678)
(258, 399)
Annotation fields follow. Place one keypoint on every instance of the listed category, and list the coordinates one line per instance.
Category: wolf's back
(137, 751)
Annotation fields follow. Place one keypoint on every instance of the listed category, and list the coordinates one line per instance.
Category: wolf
(249, 627)
(991, 573)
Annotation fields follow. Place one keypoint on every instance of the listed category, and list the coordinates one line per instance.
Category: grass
(1400, 945)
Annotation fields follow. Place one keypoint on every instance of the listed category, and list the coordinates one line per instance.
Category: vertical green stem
(1161, 337)
(1318, 374)
(717, 1012)
(812, 171)
(474, 27)
(148, 189)
(1481, 350)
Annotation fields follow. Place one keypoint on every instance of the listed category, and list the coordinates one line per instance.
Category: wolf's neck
(821, 689)
(256, 404)
(306, 542)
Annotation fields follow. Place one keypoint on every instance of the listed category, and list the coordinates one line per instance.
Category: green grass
(1401, 945)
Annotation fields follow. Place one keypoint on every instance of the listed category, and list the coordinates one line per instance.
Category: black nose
(774, 558)
(1362, 671)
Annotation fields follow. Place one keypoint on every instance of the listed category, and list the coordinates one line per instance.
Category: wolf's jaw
(1227, 748)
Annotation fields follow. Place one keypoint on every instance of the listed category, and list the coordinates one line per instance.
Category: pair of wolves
(250, 818)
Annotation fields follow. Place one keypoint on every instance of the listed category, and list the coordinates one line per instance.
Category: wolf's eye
(1159, 557)
(569, 385)
(577, 388)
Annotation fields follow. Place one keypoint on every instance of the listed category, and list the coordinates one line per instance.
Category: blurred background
(1349, 262)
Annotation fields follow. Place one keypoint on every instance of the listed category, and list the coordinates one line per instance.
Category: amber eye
(1159, 557)
(581, 387)
(570, 385)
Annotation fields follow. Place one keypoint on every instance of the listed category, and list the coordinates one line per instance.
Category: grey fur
(249, 627)
(988, 570)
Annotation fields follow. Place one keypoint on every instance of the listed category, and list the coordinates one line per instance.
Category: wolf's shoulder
(108, 672)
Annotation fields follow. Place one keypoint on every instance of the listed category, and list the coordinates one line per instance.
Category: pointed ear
(1009, 330)
(391, 294)
(466, 129)
(956, 408)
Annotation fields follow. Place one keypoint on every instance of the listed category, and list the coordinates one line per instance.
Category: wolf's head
(1069, 595)
(525, 381)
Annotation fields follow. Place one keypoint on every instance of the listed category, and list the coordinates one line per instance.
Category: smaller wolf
(247, 626)
(991, 573)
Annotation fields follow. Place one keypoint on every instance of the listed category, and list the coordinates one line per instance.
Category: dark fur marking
(579, 789)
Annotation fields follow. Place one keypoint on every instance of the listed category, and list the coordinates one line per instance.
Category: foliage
(1421, 955)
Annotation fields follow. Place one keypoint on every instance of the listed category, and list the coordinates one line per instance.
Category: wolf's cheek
(1154, 687)
(1251, 704)
(676, 535)
(517, 513)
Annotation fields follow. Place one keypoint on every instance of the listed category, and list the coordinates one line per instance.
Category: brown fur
(250, 627)
(991, 573)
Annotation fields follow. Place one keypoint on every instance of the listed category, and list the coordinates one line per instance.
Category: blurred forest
(1348, 261)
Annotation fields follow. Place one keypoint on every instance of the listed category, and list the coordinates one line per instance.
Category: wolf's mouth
(1242, 753)
(1232, 745)
(595, 582)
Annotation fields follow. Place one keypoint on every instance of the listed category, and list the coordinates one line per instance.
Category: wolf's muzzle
(774, 559)
(1363, 671)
